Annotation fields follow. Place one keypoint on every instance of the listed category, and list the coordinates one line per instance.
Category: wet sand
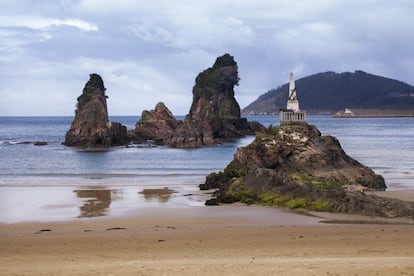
(215, 240)
(403, 194)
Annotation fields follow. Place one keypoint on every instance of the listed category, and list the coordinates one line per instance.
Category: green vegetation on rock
(274, 199)
(239, 192)
(272, 132)
(94, 84)
(231, 172)
(331, 183)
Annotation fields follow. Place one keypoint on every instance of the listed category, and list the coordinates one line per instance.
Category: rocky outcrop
(157, 125)
(295, 166)
(213, 117)
(213, 92)
(161, 127)
(91, 127)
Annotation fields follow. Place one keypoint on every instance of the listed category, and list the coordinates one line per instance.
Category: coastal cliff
(214, 115)
(295, 166)
(91, 127)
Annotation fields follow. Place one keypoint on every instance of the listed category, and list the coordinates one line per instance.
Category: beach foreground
(223, 240)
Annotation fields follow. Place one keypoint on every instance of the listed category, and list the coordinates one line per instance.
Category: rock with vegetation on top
(295, 166)
(91, 127)
(213, 117)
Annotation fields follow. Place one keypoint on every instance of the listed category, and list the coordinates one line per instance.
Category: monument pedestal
(293, 105)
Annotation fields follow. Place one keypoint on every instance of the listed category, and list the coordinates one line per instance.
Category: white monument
(292, 114)
(293, 103)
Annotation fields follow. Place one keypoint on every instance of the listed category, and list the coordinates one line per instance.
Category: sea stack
(91, 127)
(214, 115)
(214, 108)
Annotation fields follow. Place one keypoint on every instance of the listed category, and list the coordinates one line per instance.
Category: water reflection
(97, 203)
(160, 195)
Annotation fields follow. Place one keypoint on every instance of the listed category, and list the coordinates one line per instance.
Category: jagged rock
(213, 117)
(91, 127)
(294, 166)
(157, 125)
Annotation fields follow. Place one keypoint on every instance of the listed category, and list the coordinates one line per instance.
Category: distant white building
(348, 112)
(292, 114)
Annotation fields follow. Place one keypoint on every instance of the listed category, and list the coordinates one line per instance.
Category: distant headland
(365, 94)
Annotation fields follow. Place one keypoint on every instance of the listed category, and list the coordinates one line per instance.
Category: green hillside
(329, 92)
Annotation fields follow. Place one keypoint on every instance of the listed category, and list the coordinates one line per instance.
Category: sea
(53, 182)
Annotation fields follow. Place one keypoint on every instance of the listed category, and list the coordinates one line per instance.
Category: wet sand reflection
(97, 203)
(160, 195)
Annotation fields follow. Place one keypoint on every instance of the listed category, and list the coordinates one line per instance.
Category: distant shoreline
(374, 116)
(374, 113)
(356, 113)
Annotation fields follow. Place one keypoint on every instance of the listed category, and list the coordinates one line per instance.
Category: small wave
(12, 143)
(8, 142)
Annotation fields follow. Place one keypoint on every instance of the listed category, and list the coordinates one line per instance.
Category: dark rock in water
(40, 143)
(22, 143)
(212, 202)
(294, 166)
(214, 115)
(91, 127)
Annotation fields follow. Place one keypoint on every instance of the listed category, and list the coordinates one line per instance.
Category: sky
(152, 51)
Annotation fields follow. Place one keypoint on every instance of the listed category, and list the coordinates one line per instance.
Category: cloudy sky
(151, 51)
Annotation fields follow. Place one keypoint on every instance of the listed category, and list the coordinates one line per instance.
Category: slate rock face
(295, 166)
(91, 127)
(214, 115)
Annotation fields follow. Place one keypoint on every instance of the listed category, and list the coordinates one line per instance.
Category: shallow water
(54, 182)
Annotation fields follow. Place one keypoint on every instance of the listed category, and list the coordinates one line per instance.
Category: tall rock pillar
(91, 127)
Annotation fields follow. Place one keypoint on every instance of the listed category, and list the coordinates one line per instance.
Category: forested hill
(330, 92)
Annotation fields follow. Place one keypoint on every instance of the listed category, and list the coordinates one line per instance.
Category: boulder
(295, 166)
(157, 125)
(91, 127)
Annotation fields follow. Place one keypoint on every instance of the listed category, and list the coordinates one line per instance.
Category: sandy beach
(216, 240)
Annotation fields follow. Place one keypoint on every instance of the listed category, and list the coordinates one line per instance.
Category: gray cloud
(150, 51)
